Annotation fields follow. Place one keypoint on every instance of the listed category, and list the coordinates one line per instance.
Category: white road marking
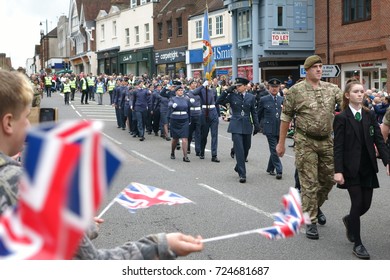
(153, 161)
(235, 200)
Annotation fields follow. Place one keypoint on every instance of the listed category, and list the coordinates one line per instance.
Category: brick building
(356, 38)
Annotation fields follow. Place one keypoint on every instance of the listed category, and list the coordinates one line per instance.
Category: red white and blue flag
(136, 196)
(289, 220)
(68, 169)
(208, 55)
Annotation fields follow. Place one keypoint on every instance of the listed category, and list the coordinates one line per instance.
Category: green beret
(311, 60)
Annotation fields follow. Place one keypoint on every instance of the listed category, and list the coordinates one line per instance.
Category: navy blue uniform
(142, 100)
(240, 125)
(195, 121)
(269, 111)
(209, 119)
(179, 114)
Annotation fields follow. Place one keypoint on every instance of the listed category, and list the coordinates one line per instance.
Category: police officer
(243, 105)
(269, 111)
(313, 103)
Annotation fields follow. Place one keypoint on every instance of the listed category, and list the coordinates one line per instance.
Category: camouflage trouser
(314, 162)
(36, 101)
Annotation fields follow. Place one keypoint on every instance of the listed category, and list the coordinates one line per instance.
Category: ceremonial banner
(208, 55)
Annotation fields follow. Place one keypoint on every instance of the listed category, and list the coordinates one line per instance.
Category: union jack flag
(289, 220)
(67, 173)
(136, 196)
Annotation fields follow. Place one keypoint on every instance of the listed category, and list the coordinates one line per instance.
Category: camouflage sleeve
(9, 181)
(152, 247)
(386, 118)
(288, 105)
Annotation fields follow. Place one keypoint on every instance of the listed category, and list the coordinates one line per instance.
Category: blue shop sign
(220, 53)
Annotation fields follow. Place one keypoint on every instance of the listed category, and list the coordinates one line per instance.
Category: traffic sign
(328, 71)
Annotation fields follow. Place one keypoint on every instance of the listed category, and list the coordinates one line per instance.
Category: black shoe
(186, 159)
(232, 153)
(279, 176)
(134, 135)
(168, 138)
(86, 103)
(142, 139)
(201, 156)
(156, 134)
(236, 169)
(350, 236)
(361, 252)
(189, 152)
(272, 173)
(197, 154)
(178, 147)
(246, 160)
(242, 179)
(312, 231)
(123, 128)
(215, 159)
(321, 217)
(173, 156)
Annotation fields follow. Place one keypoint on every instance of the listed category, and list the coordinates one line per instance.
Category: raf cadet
(166, 93)
(243, 106)
(313, 103)
(195, 122)
(142, 101)
(209, 119)
(269, 111)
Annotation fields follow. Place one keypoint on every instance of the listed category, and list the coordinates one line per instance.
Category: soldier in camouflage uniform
(313, 102)
(38, 91)
(16, 95)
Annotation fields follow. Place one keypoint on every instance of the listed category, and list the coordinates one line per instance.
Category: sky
(20, 29)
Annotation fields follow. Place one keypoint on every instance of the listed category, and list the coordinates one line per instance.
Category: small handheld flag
(136, 196)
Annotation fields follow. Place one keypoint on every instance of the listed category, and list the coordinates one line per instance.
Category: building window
(210, 26)
(198, 29)
(133, 3)
(280, 16)
(102, 32)
(136, 34)
(147, 33)
(127, 34)
(356, 10)
(179, 23)
(219, 25)
(169, 28)
(244, 25)
(143, 2)
(114, 29)
(160, 30)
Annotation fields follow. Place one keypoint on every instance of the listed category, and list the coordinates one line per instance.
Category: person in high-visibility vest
(67, 90)
(91, 86)
(48, 85)
(72, 82)
(84, 89)
(100, 90)
(111, 85)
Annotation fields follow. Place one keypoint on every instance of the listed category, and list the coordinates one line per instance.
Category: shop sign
(169, 56)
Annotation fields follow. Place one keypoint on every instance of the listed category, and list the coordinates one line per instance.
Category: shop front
(171, 62)
(108, 61)
(372, 74)
(137, 62)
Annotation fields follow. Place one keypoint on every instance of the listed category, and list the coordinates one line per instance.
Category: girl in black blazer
(355, 133)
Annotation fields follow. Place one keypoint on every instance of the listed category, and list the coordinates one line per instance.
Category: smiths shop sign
(219, 53)
(169, 56)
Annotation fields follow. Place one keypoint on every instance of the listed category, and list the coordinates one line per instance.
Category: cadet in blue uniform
(269, 111)
(243, 109)
(142, 100)
(195, 123)
(166, 93)
(209, 120)
(179, 111)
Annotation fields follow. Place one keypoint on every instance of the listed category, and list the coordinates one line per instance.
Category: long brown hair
(348, 88)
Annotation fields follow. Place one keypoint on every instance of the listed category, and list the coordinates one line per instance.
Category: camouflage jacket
(386, 118)
(152, 247)
(313, 108)
(10, 172)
